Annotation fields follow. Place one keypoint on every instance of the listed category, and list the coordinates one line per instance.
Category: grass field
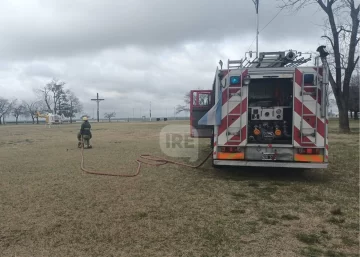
(49, 207)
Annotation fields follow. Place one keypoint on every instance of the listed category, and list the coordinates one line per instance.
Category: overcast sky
(135, 51)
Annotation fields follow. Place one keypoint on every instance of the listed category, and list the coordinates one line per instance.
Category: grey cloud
(41, 69)
(132, 52)
(73, 28)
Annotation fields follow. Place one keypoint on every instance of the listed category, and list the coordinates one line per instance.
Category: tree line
(53, 98)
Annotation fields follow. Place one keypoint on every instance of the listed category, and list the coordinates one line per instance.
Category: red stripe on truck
(243, 137)
(310, 120)
(298, 77)
(232, 119)
(297, 138)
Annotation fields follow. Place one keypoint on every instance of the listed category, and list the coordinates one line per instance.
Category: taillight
(256, 132)
(230, 149)
(309, 150)
(278, 132)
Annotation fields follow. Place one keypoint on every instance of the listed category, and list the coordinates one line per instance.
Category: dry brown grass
(49, 207)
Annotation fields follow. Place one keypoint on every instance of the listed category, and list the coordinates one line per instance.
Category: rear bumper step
(300, 165)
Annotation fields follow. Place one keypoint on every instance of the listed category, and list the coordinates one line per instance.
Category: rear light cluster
(230, 149)
(309, 150)
(277, 132)
(257, 132)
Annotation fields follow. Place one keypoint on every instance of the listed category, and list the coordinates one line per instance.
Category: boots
(87, 141)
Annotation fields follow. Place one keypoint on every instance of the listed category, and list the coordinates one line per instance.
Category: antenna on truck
(256, 3)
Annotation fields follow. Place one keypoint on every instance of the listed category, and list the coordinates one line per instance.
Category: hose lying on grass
(158, 161)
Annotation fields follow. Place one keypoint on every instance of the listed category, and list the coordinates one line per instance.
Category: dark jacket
(85, 128)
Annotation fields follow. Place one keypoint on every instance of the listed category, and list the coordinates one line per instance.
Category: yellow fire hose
(158, 161)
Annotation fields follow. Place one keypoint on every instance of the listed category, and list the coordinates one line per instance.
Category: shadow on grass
(270, 174)
(239, 173)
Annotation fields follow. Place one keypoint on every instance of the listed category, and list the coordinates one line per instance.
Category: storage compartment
(270, 116)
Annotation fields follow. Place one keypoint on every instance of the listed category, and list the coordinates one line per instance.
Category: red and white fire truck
(268, 111)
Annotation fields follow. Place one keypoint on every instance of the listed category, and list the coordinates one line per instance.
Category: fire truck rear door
(200, 104)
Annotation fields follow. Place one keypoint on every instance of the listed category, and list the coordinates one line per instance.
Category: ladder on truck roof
(235, 64)
(277, 59)
(304, 132)
(233, 91)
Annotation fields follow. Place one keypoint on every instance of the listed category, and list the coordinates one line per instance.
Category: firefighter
(85, 133)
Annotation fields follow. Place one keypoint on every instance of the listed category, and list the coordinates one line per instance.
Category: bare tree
(109, 115)
(60, 101)
(57, 90)
(182, 108)
(44, 95)
(18, 110)
(5, 108)
(52, 94)
(343, 22)
(31, 108)
(71, 105)
(41, 108)
(186, 107)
